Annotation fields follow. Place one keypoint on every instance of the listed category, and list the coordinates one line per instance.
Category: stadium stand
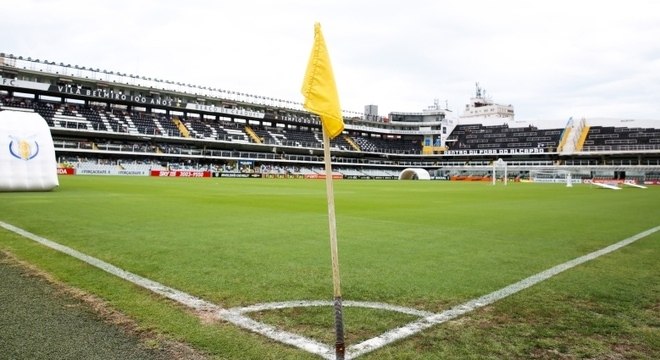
(294, 137)
(394, 146)
(124, 124)
(477, 136)
(621, 138)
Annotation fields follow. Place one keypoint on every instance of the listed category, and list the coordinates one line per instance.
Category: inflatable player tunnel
(414, 174)
(27, 154)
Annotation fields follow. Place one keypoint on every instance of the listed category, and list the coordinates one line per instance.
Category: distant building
(435, 123)
(371, 112)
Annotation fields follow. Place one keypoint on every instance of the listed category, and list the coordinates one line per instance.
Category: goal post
(554, 176)
(501, 164)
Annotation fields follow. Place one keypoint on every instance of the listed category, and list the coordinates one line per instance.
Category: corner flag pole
(336, 282)
(321, 98)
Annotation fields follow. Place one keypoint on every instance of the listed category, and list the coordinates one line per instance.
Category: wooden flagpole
(336, 283)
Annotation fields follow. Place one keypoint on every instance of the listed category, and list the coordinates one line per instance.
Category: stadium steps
(75, 121)
(105, 121)
(253, 135)
(571, 137)
(132, 129)
(159, 126)
(277, 137)
(182, 128)
(352, 143)
(564, 138)
(214, 132)
(583, 138)
(237, 135)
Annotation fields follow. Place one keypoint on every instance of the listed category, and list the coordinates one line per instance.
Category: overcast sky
(550, 59)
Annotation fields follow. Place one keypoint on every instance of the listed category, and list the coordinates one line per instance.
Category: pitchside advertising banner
(618, 182)
(180, 173)
(236, 175)
(368, 177)
(66, 171)
(112, 172)
(282, 176)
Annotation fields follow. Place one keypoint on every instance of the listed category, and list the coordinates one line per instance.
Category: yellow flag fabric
(319, 88)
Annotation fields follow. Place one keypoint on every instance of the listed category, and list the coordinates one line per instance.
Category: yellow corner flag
(319, 88)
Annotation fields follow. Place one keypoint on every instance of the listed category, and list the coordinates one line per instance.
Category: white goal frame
(552, 176)
(502, 165)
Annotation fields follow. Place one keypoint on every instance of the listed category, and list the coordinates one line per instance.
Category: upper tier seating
(477, 136)
(621, 138)
(398, 146)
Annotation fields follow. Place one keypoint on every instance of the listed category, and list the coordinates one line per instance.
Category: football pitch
(422, 245)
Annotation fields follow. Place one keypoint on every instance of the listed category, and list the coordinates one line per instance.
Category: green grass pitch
(427, 245)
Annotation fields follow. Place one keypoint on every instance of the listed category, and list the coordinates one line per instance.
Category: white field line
(181, 297)
(426, 322)
(235, 315)
(348, 303)
(607, 186)
(158, 288)
(301, 342)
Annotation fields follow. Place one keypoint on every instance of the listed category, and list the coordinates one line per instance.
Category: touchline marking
(301, 342)
(435, 319)
(168, 292)
(236, 315)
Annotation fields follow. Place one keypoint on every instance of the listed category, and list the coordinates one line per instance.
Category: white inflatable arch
(414, 174)
(27, 154)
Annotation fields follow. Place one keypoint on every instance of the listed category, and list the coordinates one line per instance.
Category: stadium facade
(105, 122)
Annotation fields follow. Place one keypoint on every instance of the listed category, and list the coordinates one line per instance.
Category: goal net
(551, 176)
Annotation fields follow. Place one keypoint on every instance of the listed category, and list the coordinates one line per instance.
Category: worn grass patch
(45, 319)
